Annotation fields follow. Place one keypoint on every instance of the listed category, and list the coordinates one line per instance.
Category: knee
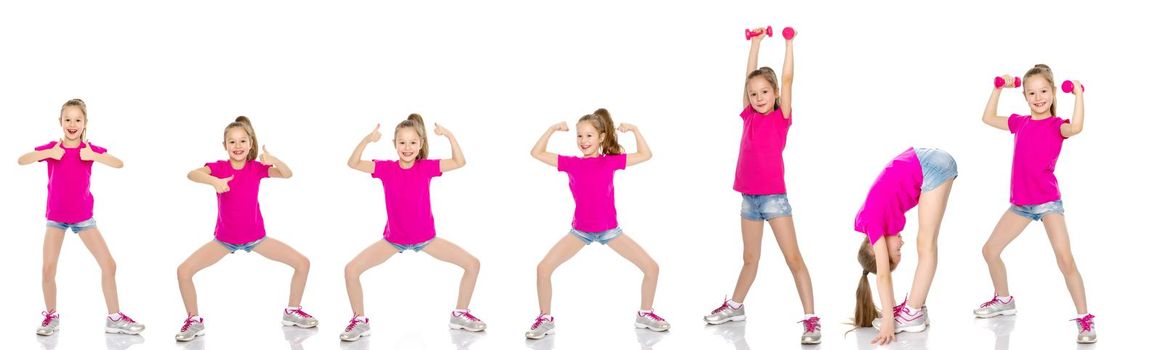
(109, 267)
(352, 270)
(750, 258)
(473, 266)
(1067, 265)
(796, 264)
(990, 253)
(185, 272)
(302, 264)
(48, 272)
(926, 249)
(650, 268)
(545, 269)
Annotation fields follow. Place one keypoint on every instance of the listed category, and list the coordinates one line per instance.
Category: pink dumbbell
(1000, 82)
(1067, 86)
(751, 34)
(788, 33)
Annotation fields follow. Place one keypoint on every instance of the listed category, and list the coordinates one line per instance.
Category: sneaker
(123, 325)
(725, 313)
(1086, 334)
(356, 328)
(651, 321)
(996, 307)
(543, 326)
(907, 319)
(298, 318)
(812, 331)
(192, 328)
(465, 320)
(51, 322)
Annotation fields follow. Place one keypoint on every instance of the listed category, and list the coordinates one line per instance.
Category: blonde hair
(865, 307)
(76, 102)
(1044, 71)
(415, 121)
(769, 75)
(244, 123)
(604, 124)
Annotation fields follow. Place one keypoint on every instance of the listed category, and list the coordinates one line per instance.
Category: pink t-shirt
(895, 191)
(239, 218)
(760, 155)
(1037, 143)
(69, 199)
(591, 180)
(408, 200)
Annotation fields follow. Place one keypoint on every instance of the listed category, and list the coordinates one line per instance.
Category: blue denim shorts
(77, 227)
(248, 246)
(1037, 211)
(938, 167)
(413, 247)
(764, 207)
(602, 237)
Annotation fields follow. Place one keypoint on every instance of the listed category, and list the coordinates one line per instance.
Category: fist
(87, 153)
(440, 131)
(626, 127)
(223, 185)
(560, 127)
(374, 135)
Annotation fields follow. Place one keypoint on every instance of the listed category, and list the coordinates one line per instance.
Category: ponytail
(865, 306)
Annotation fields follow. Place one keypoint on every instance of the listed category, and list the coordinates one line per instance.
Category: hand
(1009, 81)
(762, 33)
(222, 185)
(266, 158)
(87, 153)
(626, 127)
(374, 135)
(560, 127)
(440, 131)
(887, 333)
(1077, 87)
(56, 152)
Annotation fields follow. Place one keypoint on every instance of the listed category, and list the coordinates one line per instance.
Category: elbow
(535, 154)
(353, 164)
(192, 176)
(647, 155)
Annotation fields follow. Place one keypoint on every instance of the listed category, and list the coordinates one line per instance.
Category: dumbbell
(751, 34)
(1000, 82)
(788, 33)
(1067, 86)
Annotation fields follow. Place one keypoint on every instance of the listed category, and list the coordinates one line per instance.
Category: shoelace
(652, 315)
(812, 324)
(898, 309)
(996, 300)
(48, 317)
(124, 317)
(300, 313)
(355, 321)
(467, 314)
(540, 319)
(1085, 322)
(725, 305)
(190, 321)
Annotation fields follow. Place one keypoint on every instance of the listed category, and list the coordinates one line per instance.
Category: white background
(162, 80)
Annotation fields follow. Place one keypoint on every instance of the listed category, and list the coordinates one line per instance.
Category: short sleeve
(618, 162)
(262, 170)
(380, 171)
(747, 112)
(217, 170)
(1059, 123)
(45, 146)
(98, 149)
(566, 163)
(431, 167)
(1015, 122)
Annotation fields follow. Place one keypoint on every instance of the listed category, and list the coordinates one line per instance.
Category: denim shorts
(1037, 211)
(938, 167)
(413, 247)
(602, 237)
(77, 227)
(764, 207)
(248, 246)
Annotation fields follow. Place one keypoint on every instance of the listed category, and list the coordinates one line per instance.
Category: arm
(643, 150)
(202, 176)
(788, 78)
(457, 160)
(887, 300)
(87, 154)
(356, 160)
(539, 150)
(35, 156)
(277, 167)
(752, 63)
(990, 116)
(1074, 127)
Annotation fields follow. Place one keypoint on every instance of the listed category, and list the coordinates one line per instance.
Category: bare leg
(1059, 238)
(93, 240)
(565, 249)
(633, 252)
(932, 206)
(205, 256)
(1006, 230)
(784, 228)
(444, 250)
(375, 254)
(276, 250)
(54, 238)
(752, 240)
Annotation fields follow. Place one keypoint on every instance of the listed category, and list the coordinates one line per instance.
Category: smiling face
(895, 244)
(408, 144)
(238, 144)
(73, 122)
(1040, 94)
(760, 94)
(589, 139)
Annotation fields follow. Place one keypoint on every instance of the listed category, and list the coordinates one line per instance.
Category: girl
(70, 206)
(240, 225)
(766, 118)
(595, 218)
(1033, 193)
(410, 224)
(920, 176)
